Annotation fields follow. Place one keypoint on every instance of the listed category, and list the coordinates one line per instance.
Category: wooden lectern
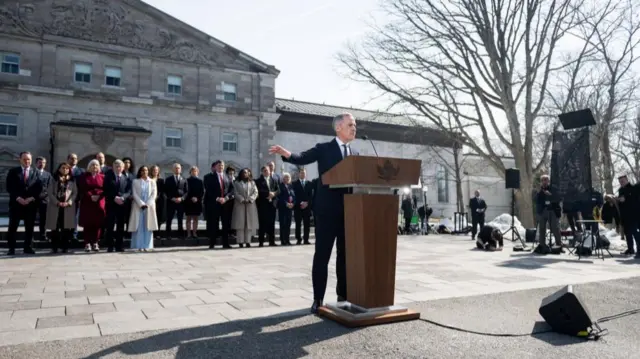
(371, 224)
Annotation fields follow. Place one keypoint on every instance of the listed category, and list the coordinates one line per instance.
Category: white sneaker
(87, 248)
(95, 247)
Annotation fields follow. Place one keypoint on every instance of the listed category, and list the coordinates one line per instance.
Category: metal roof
(317, 109)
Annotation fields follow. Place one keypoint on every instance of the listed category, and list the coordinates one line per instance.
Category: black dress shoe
(341, 299)
(29, 251)
(110, 250)
(314, 307)
(11, 252)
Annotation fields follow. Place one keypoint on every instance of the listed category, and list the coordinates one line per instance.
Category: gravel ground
(301, 335)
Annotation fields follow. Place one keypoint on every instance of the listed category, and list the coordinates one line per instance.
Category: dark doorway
(84, 162)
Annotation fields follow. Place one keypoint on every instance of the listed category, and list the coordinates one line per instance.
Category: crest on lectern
(388, 171)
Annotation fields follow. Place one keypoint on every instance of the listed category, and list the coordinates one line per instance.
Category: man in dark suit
(478, 208)
(274, 175)
(76, 172)
(103, 165)
(45, 177)
(218, 190)
(328, 206)
(175, 188)
(268, 191)
(117, 189)
(302, 211)
(24, 188)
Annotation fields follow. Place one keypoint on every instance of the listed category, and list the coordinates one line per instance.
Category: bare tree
(488, 62)
(628, 149)
(608, 84)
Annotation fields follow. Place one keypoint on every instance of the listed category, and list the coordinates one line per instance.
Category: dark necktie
(26, 175)
(345, 154)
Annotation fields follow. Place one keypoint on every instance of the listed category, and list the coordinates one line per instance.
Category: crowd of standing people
(108, 202)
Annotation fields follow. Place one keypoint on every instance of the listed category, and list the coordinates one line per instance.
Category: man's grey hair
(176, 165)
(286, 174)
(117, 163)
(543, 177)
(339, 118)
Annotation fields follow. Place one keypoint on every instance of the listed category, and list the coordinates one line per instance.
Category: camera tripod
(514, 232)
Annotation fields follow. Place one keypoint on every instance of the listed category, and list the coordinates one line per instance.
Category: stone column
(203, 141)
(140, 150)
(43, 135)
(267, 128)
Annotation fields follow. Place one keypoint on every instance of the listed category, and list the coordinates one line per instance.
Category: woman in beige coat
(245, 213)
(143, 220)
(61, 209)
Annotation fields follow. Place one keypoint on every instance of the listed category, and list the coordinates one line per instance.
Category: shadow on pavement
(276, 336)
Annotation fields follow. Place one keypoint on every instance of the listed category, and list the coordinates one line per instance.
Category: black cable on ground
(601, 320)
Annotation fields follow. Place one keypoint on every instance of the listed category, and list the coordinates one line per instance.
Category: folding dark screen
(571, 165)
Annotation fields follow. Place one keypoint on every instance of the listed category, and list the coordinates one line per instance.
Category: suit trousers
(214, 216)
(329, 229)
(243, 236)
(42, 220)
(571, 218)
(174, 210)
(302, 217)
(267, 222)
(545, 216)
(116, 219)
(631, 233)
(476, 221)
(284, 217)
(28, 215)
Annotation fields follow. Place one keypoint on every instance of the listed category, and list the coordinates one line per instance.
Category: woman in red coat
(92, 212)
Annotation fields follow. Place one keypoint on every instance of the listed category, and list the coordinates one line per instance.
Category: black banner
(571, 165)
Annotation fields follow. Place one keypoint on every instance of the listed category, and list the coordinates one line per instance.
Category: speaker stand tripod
(514, 232)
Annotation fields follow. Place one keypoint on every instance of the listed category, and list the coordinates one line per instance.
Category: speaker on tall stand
(512, 182)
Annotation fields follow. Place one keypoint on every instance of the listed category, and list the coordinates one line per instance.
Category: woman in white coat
(143, 220)
(245, 214)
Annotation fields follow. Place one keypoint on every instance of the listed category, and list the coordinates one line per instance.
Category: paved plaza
(82, 296)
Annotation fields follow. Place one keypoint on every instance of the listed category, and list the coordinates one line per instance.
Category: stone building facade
(302, 124)
(124, 78)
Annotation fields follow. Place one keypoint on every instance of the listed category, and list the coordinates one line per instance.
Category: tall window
(112, 76)
(82, 73)
(230, 142)
(174, 85)
(8, 125)
(10, 64)
(442, 178)
(173, 137)
(229, 91)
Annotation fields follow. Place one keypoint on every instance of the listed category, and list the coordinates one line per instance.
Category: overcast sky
(301, 38)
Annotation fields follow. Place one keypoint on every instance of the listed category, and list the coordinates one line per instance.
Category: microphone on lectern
(366, 138)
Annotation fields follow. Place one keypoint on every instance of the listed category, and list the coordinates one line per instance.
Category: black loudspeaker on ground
(565, 313)
(512, 178)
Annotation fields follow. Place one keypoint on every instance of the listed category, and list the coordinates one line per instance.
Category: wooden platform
(382, 319)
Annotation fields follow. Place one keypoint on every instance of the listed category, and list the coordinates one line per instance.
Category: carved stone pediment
(103, 137)
(8, 155)
(127, 23)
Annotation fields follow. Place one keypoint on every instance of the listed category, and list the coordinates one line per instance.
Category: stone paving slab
(47, 297)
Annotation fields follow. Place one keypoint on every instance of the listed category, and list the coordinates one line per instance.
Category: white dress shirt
(341, 144)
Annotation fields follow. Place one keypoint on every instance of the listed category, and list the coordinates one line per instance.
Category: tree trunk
(524, 201)
(458, 173)
(607, 163)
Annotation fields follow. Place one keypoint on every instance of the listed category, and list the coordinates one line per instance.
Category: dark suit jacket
(113, 189)
(17, 187)
(303, 193)
(212, 187)
(286, 195)
(263, 191)
(328, 201)
(174, 190)
(476, 203)
(76, 172)
(45, 178)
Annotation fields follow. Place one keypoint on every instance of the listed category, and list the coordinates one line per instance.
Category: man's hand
(279, 150)
(271, 195)
(177, 200)
(95, 198)
(21, 201)
(547, 193)
(303, 205)
(62, 204)
(289, 205)
(194, 199)
(119, 200)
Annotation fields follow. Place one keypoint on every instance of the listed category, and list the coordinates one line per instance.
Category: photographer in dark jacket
(547, 208)
(629, 204)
